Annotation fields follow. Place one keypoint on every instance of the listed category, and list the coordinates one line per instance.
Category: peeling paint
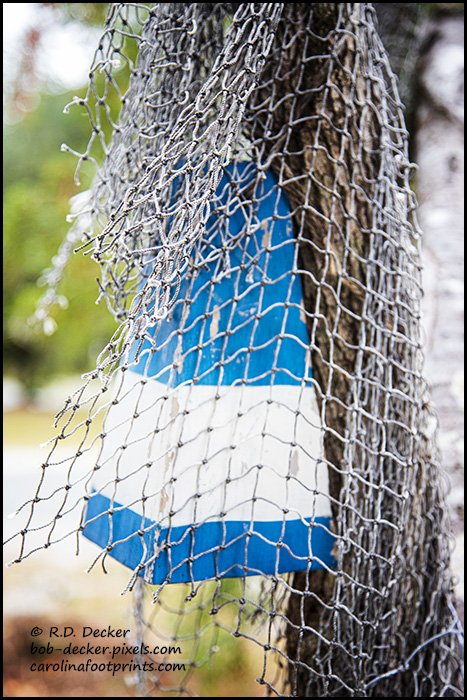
(163, 500)
(175, 408)
(179, 357)
(168, 460)
(214, 327)
(266, 240)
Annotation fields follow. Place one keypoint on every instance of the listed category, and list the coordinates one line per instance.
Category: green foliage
(86, 12)
(225, 665)
(38, 183)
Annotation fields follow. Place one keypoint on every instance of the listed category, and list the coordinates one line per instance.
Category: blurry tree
(38, 184)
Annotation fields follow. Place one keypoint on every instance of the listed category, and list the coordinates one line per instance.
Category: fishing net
(266, 464)
(402, 27)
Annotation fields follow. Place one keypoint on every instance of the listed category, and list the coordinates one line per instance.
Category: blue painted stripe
(220, 548)
(257, 338)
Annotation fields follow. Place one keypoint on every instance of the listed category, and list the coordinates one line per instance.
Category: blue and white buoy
(218, 475)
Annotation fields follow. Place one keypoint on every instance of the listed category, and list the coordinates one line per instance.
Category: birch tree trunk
(439, 152)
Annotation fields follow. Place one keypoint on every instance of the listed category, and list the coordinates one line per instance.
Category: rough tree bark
(314, 161)
(323, 138)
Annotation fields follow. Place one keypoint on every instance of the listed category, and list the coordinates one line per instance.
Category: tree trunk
(330, 198)
(439, 152)
(333, 133)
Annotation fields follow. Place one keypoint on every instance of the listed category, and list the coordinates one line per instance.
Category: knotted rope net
(266, 466)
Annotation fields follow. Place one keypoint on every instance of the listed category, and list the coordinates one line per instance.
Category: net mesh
(265, 442)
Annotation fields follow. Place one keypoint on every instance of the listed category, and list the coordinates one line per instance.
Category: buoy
(210, 466)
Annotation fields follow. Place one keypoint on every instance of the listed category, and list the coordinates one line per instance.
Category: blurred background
(48, 48)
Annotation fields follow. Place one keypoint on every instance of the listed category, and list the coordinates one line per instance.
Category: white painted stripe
(250, 453)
